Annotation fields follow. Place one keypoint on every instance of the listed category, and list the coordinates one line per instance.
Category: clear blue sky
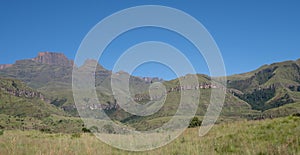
(249, 34)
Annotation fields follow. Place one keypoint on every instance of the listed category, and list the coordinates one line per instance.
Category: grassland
(271, 136)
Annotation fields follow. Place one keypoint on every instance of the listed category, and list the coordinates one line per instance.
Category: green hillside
(55, 81)
(19, 100)
(270, 86)
(252, 95)
(233, 109)
(24, 108)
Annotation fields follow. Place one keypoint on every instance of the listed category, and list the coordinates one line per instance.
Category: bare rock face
(18, 89)
(152, 79)
(53, 59)
(5, 66)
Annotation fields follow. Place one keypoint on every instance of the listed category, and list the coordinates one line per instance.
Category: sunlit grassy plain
(276, 136)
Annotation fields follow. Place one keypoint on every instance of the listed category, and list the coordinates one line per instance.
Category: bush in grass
(46, 130)
(85, 130)
(296, 114)
(195, 122)
(1, 132)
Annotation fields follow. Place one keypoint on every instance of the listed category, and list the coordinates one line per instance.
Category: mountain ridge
(50, 58)
(277, 84)
(267, 87)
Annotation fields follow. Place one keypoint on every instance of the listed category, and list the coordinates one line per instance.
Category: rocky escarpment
(24, 93)
(18, 89)
(52, 58)
(49, 58)
(146, 97)
(152, 79)
(5, 66)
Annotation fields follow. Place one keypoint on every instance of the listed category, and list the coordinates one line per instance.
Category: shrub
(195, 122)
(1, 132)
(85, 130)
(46, 130)
(296, 114)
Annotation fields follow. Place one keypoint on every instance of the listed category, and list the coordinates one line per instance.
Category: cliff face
(49, 58)
(152, 79)
(5, 66)
(53, 59)
(18, 89)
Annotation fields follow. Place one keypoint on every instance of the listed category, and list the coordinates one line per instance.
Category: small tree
(85, 130)
(195, 122)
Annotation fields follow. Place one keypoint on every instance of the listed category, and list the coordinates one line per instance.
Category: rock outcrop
(18, 89)
(152, 79)
(52, 58)
(5, 66)
(49, 58)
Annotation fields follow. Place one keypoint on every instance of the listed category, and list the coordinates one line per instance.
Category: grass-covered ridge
(17, 99)
(270, 86)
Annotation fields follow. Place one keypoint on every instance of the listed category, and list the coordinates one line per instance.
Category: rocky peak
(5, 66)
(91, 63)
(52, 58)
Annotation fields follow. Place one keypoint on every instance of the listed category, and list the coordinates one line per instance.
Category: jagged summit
(50, 58)
(53, 58)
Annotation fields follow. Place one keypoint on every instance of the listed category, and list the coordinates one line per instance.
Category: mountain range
(40, 89)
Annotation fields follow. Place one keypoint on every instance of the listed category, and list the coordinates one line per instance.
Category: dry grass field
(276, 136)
